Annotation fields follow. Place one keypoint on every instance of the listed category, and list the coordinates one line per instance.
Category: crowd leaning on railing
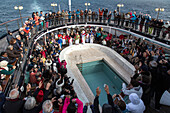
(48, 88)
(138, 22)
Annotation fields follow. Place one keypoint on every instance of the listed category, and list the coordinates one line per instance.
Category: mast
(69, 4)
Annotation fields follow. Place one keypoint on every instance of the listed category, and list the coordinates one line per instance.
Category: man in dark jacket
(110, 107)
(105, 15)
(30, 104)
(14, 104)
(161, 87)
(4, 56)
(2, 100)
(85, 15)
(12, 53)
(9, 36)
(159, 27)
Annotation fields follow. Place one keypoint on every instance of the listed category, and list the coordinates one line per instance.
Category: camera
(117, 95)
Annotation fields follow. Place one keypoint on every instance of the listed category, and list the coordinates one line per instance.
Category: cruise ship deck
(82, 57)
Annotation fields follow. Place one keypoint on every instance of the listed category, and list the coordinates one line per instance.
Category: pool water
(97, 74)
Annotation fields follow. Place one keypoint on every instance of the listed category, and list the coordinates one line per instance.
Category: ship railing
(14, 26)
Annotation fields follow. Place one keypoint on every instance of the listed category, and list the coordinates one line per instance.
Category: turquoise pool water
(97, 74)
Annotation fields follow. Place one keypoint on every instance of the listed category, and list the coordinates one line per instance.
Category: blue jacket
(69, 15)
(133, 18)
(60, 41)
(78, 14)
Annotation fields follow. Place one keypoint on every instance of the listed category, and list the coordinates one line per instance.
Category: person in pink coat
(70, 107)
(63, 63)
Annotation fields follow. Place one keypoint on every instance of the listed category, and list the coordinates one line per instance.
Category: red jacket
(100, 12)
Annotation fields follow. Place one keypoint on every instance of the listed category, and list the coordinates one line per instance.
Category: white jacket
(59, 87)
(138, 90)
(136, 105)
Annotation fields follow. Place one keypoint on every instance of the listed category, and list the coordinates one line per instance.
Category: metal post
(6, 27)
(69, 3)
(21, 18)
(59, 8)
(54, 8)
(18, 24)
(158, 13)
(86, 7)
(45, 38)
(54, 20)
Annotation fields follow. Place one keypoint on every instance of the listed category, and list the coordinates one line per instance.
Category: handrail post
(18, 24)
(6, 27)
(21, 18)
(54, 21)
(115, 34)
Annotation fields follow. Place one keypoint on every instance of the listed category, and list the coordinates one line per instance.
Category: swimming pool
(97, 74)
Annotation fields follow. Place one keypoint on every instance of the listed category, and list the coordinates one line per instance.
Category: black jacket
(38, 108)
(13, 106)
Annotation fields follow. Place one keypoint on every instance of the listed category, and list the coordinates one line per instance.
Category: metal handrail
(13, 20)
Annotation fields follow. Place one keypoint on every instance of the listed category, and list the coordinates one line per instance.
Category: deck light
(19, 8)
(87, 4)
(120, 5)
(158, 10)
(54, 5)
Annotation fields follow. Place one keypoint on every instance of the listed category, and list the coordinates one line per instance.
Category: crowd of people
(139, 22)
(48, 88)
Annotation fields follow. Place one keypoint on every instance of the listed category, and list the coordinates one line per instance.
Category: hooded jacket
(136, 105)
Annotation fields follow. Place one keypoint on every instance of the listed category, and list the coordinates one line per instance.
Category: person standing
(105, 15)
(142, 22)
(85, 15)
(69, 16)
(77, 38)
(109, 17)
(96, 16)
(119, 18)
(87, 37)
(62, 16)
(66, 17)
(100, 14)
(70, 40)
(160, 24)
(93, 16)
(56, 18)
(90, 14)
(133, 19)
(73, 16)
(49, 18)
(91, 37)
(83, 36)
(46, 20)
(148, 19)
(81, 15)
(115, 17)
(77, 15)
(59, 17)
(64, 39)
